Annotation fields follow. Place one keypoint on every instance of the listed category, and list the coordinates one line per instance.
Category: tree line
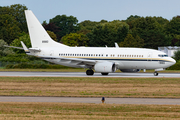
(135, 31)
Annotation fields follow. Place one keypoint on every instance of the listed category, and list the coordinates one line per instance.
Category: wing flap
(75, 61)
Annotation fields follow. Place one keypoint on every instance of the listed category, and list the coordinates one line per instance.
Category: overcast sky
(96, 10)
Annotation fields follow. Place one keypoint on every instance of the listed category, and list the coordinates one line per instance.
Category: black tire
(89, 72)
(156, 73)
(104, 73)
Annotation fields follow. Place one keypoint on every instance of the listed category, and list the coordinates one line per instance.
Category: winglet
(24, 47)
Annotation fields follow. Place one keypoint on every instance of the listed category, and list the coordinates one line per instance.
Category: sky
(96, 10)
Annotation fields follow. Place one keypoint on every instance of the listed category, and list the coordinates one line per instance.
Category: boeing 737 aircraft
(99, 59)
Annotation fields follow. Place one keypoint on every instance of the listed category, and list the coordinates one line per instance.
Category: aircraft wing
(77, 61)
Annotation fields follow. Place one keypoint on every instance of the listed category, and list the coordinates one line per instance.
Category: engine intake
(105, 67)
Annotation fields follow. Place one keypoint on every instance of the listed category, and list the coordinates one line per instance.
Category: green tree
(65, 24)
(17, 11)
(4, 50)
(173, 27)
(151, 32)
(53, 28)
(177, 55)
(161, 21)
(8, 28)
(88, 25)
(52, 35)
(130, 41)
(75, 39)
(108, 33)
(17, 42)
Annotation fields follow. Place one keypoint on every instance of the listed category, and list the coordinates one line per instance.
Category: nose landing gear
(156, 73)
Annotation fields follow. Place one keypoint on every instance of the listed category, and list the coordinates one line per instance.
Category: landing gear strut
(89, 72)
(156, 73)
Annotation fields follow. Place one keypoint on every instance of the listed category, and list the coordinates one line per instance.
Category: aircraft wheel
(89, 72)
(104, 73)
(156, 73)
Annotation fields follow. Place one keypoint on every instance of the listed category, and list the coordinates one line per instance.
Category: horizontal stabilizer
(14, 47)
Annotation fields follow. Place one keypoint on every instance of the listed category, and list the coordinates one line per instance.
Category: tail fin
(38, 35)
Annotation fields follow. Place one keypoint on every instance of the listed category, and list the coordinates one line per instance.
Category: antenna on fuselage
(116, 45)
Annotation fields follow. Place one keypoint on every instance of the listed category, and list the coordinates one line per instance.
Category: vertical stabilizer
(38, 35)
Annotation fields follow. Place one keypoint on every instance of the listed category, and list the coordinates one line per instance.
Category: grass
(87, 111)
(91, 87)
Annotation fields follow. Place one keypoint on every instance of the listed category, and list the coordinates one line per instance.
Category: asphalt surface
(155, 101)
(83, 74)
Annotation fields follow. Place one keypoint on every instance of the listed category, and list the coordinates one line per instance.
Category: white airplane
(99, 59)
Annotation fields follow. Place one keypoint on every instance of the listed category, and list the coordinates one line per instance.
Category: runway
(152, 101)
(158, 101)
(83, 74)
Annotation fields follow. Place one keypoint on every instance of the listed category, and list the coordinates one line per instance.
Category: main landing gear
(156, 73)
(104, 73)
(89, 72)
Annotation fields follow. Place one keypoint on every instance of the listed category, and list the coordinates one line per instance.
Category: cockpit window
(163, 55)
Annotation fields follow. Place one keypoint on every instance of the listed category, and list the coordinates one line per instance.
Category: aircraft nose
(173, 61)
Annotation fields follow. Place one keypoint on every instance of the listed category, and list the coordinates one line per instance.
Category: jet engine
(105, 67)
(130, 70)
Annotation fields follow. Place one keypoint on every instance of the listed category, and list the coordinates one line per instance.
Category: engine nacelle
(105, 67)
(130, 70)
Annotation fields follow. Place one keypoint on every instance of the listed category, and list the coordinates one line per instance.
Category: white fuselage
(124, 58)
(101, 59)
